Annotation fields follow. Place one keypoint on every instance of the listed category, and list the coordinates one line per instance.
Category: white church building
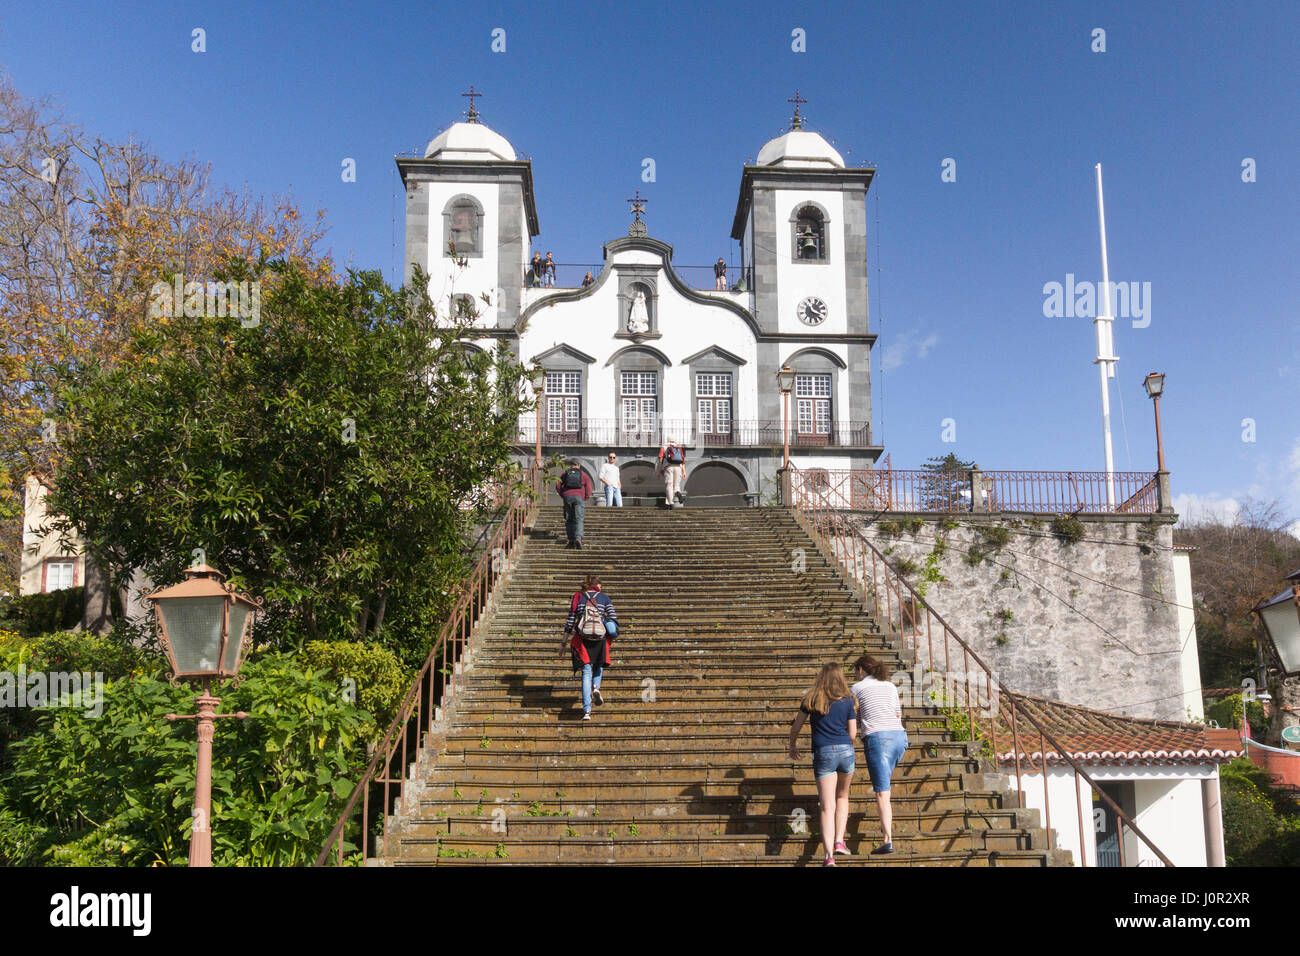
(641, 354)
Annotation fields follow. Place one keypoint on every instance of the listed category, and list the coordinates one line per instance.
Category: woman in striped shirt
(880, 719)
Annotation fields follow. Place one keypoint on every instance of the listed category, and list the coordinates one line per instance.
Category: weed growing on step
(484, 742)
(633, 830)
(570, 832)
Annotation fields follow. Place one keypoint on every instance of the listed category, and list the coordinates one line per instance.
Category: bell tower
(470, 215)
(801, 220)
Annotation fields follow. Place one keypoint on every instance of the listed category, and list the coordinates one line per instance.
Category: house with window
(638, 350)
(46, 565)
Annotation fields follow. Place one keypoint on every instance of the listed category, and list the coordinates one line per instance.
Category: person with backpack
(672, 466)
(592, 622)
(575, 491)
(832, 710)
(883, 737)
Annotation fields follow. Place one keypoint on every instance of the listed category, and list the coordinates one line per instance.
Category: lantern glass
(1282, 621)
(785, 378)
(193, 629)
(235, 642)
(1155, 384)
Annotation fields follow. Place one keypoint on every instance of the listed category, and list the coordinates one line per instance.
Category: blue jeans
(613, 496)
(837, 758)
(575, 509)
(590, 678)
(884, 750)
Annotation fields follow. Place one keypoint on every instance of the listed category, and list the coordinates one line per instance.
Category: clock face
(811, 311)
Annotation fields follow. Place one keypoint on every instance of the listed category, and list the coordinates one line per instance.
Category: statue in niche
(638, 320)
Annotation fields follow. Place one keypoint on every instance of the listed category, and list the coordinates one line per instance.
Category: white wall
(795, 282)
(1169, 805)
(1193, 703)
(480, 274)
(38, 546)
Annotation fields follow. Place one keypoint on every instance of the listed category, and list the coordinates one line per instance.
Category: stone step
(973, 858)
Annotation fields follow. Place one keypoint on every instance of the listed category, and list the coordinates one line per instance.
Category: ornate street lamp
(785, 380)
(537, 377)
(1155, 385)
(1280, 615)
(205, 626)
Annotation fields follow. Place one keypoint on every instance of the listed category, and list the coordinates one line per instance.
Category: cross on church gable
(638, 205)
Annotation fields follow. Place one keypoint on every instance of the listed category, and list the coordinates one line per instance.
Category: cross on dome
(472, 115)
(796, 122)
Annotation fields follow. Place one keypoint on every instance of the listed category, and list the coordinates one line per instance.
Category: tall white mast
(1106, 358)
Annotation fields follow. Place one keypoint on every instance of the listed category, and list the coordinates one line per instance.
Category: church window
(563, 403)
(463, 219)
(638, 401)
(713, 403)
(809, 235)
(813, 404)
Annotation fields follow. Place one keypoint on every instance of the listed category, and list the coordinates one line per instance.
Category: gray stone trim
(476, 249)
(811, 350)
(859, 368)
(512, 247)
(721, 355)
(754, 179)
(465, 171)
(826, 234)
(416, 248)
(626, 357)
(629, 278)
(854, 236)
(766, 309)
(563, 349)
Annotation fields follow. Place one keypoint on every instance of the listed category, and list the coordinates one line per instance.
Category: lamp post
(1280, 616)
(1155, 385)
(785, 379)
(538, 379)
(205, 627)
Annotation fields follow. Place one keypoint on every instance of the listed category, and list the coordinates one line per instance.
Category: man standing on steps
(609, 477)
(672, 466)
(575, 490)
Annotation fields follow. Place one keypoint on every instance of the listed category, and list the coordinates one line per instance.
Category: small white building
(1163, 775)
(46, 565)
(645, 351)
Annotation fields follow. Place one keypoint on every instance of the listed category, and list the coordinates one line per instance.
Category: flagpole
(1106, 358)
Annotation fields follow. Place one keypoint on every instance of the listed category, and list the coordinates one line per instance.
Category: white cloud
(896, 352)
(1192, 508)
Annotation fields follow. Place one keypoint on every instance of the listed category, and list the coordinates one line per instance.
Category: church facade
(637, 354)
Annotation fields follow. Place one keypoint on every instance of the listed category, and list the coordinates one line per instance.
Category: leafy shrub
(995, 535)
(1227, 713)
(380, 679)
(1261, 824)
(119, 791)
(1068, 529)
(33, 614)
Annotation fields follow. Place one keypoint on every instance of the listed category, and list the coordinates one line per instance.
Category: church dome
(800, 149)
(472, 141)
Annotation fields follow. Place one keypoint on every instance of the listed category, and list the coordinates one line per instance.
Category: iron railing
(380, 787)
(1040, 492)
(906, 612)
(652, 432)
(570, 275)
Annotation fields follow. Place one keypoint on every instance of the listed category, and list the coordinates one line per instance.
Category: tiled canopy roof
(1096, 737)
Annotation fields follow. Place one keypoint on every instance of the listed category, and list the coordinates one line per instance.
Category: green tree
(942, 485)
(322, 458)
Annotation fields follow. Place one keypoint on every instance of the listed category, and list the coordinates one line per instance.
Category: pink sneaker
(841, 849)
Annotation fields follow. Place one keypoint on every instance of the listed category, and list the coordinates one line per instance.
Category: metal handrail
(430, 688)
(903, 601)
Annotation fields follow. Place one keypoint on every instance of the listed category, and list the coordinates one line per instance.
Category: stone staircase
(725, 616)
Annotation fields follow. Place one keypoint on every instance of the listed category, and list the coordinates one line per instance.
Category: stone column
(1164, 496)
(1212, 805)
(977, 502)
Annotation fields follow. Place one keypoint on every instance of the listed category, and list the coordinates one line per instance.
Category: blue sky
(1011, 91)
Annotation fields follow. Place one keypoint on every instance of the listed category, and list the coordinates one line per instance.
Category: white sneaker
(586, 715)
(595, 696)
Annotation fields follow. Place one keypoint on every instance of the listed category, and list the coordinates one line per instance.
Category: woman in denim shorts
(883, 736)
(832, 711)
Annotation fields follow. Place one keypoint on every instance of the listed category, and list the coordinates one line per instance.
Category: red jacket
(584, 491)
(578, 646)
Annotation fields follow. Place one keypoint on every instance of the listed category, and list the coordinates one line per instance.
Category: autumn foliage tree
(86, 228)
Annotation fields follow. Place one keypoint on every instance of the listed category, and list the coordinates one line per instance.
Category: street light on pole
(538, 379)
(1155, 386)
(205, 626)
(785, 379)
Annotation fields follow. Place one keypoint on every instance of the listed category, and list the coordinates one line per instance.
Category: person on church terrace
(589, 630)
(831, 709)
(880, 717)
(720, 275)
(613, 483)
(548, 271)
(575, 491)
(672, 466)
(587, 279)
(535, 270)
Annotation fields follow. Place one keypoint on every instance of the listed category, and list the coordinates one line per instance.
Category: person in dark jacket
(590, 653)
(574, 487)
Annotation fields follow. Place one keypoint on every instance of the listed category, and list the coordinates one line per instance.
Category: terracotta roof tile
(1097, 737)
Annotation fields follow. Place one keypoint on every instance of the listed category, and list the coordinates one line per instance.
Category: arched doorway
(715, 485)
(641, 486)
